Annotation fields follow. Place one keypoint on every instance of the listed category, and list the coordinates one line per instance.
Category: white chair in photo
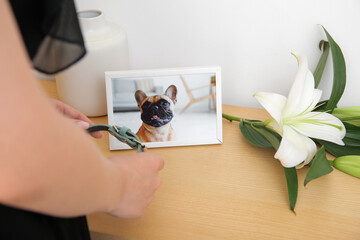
(212, 93)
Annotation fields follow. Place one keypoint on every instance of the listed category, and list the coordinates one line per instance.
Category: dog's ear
(140, 96)
(171, 93)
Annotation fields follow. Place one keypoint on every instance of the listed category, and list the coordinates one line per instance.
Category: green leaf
(352, 137)
(292, 186)
(320, 166)
(351, 140)
(338, 150)
(272, 137)
(339, 67)
(322, 62)
(252, 135)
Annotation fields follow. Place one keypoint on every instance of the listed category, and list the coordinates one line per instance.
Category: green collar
(123, 134)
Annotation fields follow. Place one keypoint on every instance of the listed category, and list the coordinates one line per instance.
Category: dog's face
(157, 110)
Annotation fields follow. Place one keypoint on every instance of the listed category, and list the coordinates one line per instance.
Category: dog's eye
(165, 104)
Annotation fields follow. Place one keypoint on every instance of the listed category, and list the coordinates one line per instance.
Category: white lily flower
(293, 119)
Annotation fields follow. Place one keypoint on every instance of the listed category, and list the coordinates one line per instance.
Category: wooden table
(235, 191)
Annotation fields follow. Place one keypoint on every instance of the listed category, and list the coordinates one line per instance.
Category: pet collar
(123, 134)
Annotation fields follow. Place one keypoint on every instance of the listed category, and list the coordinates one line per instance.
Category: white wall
(250, 39)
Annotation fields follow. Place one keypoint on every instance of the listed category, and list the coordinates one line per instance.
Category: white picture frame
(197, 113)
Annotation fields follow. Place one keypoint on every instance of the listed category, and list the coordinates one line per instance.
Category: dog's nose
(156, 107)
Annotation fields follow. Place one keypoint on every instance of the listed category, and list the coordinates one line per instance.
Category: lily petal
(294, 148)
(275, 126)
(321, 126)
(312, 149)
(273, 103)
(315, 99)
(301, 94)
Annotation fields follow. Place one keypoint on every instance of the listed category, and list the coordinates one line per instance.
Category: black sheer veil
(51, 33)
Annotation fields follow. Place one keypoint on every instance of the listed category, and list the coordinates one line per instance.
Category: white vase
(82, 86)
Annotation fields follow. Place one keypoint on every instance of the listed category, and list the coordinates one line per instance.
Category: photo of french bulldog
(156, 115)
(166, 107)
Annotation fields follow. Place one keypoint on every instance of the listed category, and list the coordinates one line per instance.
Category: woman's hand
(81, 120)
(139, 175)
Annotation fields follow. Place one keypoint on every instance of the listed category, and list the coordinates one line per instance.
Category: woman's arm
(48, 164)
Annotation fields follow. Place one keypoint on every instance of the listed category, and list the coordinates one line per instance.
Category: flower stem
(231, 118)
(254, 123)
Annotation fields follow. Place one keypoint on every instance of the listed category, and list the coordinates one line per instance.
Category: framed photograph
(166, 107)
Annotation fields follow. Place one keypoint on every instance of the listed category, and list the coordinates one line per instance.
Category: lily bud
(348, 114)
(349, 164)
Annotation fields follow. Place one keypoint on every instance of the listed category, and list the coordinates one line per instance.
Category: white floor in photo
(191, 125)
